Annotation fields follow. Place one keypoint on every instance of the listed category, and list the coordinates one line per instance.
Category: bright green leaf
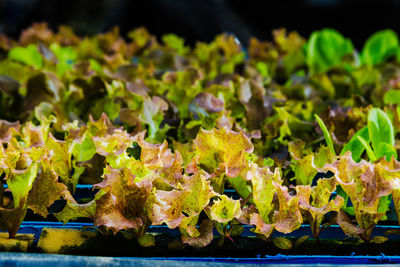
(355, 146)
(325, 50)
(327, 136)
(28, 55)
(380, 130)
(392, 97)
(380, 46)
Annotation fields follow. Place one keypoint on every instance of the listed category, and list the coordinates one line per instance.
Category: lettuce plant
(305, 163)
(286, 218)
(28, 171)
(316, 201)
(224, 213)
(380, 134)
(365, 186)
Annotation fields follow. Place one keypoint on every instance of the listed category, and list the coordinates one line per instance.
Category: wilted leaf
(205, 237)
(109, 214)
(181, 208)
(147, 240)
(379, 239)
(167, 207)
(261, 226)
(11, 220)
(389, 172)
(200, 193)
(282, 243)
(109, 145)
(301, 240)
(154, 155)
(347, 226)
(61, 160)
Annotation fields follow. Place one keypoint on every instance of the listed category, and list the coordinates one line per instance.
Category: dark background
(203, 19)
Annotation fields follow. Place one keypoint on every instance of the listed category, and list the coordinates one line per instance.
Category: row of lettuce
(161, 129)
(142, 184)
(270, 89)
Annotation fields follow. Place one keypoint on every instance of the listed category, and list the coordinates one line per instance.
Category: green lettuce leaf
(381, 133)
(379, 47)
(222, 149)
(28, 55)
(365, 185)
(326, 49)
(225, 209)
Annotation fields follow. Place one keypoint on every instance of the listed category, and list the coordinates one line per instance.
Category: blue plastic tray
(39, 260)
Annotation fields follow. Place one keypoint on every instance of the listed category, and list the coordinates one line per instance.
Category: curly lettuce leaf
(222, 149)
(317, 202)
(225, 209)
(364, 185)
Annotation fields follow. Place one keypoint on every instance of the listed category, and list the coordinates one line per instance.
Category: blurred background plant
(202, 20)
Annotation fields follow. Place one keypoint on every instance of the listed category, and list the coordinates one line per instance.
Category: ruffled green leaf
(317, 202)
(225, 209)
(365, 184)
(288, 218)
(223, 149)
(264, 190)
